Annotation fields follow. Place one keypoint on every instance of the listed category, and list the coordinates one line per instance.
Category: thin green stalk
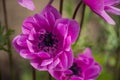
(0, 67)
(0, 75)
(77, 9)
(50, 2)
(81, 22)
(82, 18)
(8, 40)
(50, 78)
(61, 6)
(33, 74)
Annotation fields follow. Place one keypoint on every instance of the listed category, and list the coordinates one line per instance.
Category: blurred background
(102, 38)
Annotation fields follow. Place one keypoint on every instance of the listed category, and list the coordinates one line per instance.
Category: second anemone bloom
(101, 7)
(84, 67)
(46, 40)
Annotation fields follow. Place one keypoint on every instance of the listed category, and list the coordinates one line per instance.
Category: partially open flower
(27, 4)
(84, 67)
(101, 7)
(46, 40)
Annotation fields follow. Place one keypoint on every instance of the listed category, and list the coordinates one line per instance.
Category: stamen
(75, 69)
(48, 42)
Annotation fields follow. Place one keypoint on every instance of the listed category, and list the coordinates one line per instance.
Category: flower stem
(0, 75)
(76, 9)
(61, 6)
(33, 74)
(82, 18)
(81, 22)
(50, 78)
(50, 2)
(8, 40)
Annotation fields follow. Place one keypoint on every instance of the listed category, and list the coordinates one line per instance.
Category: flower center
(75, 69)
(48, 42)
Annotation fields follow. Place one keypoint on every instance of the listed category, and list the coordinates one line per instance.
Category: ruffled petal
(51, 14)
(93, 72)
(64, 60)
(53, 11)
(42, 22)
(54, 64)
(28, 24)
(24, 53)
(43, 55)
(17, 43)
(36, 64)
(70, 57)
(73, 28)
(32, 35)
(62, 29)
(21, 41)
(46, 62)
(31, 47)
(27, 4)
(67, 45)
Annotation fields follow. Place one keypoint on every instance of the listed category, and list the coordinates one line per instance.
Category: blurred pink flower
(46, 40)
(101, 7)
(27, 4)
(84, 68)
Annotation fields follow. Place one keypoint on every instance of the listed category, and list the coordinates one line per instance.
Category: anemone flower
(84, 67)
(46, 40)
(101, 7)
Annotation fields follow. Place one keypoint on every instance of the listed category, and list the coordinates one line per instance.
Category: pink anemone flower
(101, 7)
(84, 67)
(46, 40)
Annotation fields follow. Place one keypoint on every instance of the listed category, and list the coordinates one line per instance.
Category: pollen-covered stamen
(75, 69)
(48, 42)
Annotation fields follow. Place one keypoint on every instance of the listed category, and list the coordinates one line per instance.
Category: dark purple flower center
(48, 42)
(75, 69)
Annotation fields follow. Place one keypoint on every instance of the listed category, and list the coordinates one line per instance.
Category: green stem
(81, 22)
(51, 1)
(0, 75)
(4, 49)
(82, 18)
(8, 40)
(33, 74)
(76, 9)
(50, 78)
(61, 6)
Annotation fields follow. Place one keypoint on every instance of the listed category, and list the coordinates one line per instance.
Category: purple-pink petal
(112, 10)
(107, 18)
(73, 28)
